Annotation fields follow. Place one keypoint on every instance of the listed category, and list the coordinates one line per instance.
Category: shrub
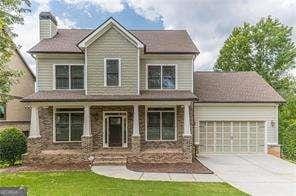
(13, 144)
(288, 140)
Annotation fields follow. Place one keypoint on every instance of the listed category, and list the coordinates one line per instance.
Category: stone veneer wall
(97, 123)
(161, 144)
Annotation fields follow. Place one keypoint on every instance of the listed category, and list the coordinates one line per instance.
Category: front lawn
(88, 183)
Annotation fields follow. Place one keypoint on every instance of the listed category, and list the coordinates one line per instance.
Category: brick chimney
(47, 25)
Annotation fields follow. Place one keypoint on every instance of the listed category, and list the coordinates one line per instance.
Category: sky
(209, 22)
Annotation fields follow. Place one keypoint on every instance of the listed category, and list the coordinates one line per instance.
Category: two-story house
(13, 113)
(120, 94)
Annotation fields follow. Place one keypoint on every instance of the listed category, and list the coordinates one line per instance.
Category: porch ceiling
(79, 96)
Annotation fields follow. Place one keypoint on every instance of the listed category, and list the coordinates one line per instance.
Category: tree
(265, 47)
(268, 49)
(10, 13)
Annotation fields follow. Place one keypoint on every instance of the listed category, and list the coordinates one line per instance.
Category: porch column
(187, 138)
(136, 131)
(34, 127)
(86, 124)
(186, 121)
(34, 143)
(86, 138)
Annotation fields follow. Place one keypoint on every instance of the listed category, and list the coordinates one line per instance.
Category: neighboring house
(120, 95)
(14, 113)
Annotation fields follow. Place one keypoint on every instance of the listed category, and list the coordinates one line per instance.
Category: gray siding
(112, 44)
(44, 29)
(47, 29)
(184, 68)
(45, 64)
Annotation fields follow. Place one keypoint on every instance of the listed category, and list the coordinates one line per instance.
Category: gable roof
(25, 63)
(233, 87)
(111, 21)
(155, 41)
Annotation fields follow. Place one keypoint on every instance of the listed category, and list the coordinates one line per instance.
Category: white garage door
(231, 136)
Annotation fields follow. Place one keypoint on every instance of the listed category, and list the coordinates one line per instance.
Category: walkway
(124, 173)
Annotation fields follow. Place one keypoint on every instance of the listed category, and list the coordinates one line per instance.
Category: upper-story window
(161, 77)
(69, 77)
(112, 72)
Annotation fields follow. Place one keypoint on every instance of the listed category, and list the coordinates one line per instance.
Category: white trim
(136, 130)
(192, 75)
(105, 71)
(162, 65)
(146, 124)
(265, 137)
(124, 116)
(34, 126)
(69, 80)
(236, 104)
(86, 122)
(85, 71)
(139, 71)
(54, 124)
(84, 43)
(187, 127)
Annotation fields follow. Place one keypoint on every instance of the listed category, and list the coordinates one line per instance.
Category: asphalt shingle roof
(79, 96)
(233, 87)
(158, 41)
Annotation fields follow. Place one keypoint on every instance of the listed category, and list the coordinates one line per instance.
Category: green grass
(88, 183)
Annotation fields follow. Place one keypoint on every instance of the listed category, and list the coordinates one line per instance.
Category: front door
(115, 131)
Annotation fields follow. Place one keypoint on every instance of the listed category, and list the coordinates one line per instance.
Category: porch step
(114, 160)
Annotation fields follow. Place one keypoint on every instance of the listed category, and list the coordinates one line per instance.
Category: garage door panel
(232, 136)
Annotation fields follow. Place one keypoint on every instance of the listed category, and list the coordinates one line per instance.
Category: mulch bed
(195, 167)
(52, 167)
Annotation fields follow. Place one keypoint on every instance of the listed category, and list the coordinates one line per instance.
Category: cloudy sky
(209, 22)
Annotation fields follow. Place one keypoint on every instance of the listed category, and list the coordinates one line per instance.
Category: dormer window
(69, 77)
(161, 77)
(112, 72)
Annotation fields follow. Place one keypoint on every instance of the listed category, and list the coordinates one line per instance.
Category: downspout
(193, 130)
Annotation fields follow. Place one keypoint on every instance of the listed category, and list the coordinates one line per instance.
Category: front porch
(111, 132)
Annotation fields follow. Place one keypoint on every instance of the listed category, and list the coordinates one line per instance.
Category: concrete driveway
(254, 174)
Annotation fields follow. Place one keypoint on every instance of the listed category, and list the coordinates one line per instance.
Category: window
(112, 71)
(161, 77)
(2, 111)
(68, 124)
(69, 76)
(161, 124)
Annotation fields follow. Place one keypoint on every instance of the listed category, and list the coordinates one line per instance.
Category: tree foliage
(10, 13)
(268, 49)
(265, 47)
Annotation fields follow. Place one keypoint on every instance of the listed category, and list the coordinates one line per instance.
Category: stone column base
(136, 144)
(34, 145)
(86, 144)
(187, 147)
(274, 149)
